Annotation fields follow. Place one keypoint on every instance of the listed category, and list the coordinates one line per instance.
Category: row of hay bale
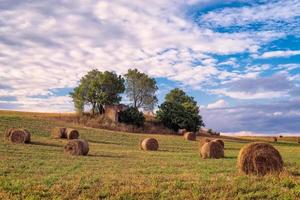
(74, 146)
(255, 158)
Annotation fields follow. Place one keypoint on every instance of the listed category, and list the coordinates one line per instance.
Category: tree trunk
(93, 108)
(100, 109)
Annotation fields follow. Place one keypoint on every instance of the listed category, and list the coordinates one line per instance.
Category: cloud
(50, 45)
(257, 118)
(218, 104)
(47, 46)
(267, 13)
(276, 86)
(39, 104)
(272, 54)
(118, 37)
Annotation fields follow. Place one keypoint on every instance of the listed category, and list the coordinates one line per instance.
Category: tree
(132, 116)
(179, 111)
(140, 89)
(98, 89)
(179, 96)
(78, 100)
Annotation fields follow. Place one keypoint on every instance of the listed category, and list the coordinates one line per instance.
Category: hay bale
(274, 139)
(140, 144)
(7, 133)
(220, 141)
(72, 134)
(19, 136)
(259, 159)
(299, 140)
(181, 131)
(212, 149)
(77, 147)
(149, 144)
(190, 136)
(58, 133)
(203, 140)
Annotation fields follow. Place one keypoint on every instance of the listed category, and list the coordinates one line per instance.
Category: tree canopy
(179, 96)
(140, 89)
(98, 89)
(179, 111)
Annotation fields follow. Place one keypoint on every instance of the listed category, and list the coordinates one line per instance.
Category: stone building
(112, 111)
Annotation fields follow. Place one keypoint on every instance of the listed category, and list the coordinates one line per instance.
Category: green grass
(116, 169)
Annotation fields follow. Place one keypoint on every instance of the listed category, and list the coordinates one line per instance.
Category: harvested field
(115, 168)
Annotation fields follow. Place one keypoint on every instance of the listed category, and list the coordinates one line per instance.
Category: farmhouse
(112, 111)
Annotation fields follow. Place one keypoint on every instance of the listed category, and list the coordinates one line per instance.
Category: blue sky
(239, 59)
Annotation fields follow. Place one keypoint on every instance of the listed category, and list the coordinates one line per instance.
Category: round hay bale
(274, 139)
(19, 136)
(212, 150)
(72, 134)
(140, 144)
(58, 133)
(190, 136)
(202, 141)
(181, 131)
(259, 159)
(77, 147)
(220, 141)
(149, 144)
(7, 133)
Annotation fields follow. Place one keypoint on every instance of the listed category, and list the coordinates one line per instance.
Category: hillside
(117, 169)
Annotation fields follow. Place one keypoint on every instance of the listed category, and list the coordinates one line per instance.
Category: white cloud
(251, 95)
(271, 11)
(231, 62)
(49, 104)
(255, 117)
(53, 49)
(218, 104)
(272, 54)
(48, 45)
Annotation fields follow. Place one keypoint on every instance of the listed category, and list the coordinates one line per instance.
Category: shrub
(132, 116)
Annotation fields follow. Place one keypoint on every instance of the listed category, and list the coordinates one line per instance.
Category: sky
(239, 59)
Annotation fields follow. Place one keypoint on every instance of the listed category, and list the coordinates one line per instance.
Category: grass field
(116, 169)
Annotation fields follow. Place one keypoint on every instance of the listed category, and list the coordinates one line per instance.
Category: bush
(132, 116)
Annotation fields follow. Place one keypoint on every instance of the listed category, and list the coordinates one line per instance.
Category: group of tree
(97, 89)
